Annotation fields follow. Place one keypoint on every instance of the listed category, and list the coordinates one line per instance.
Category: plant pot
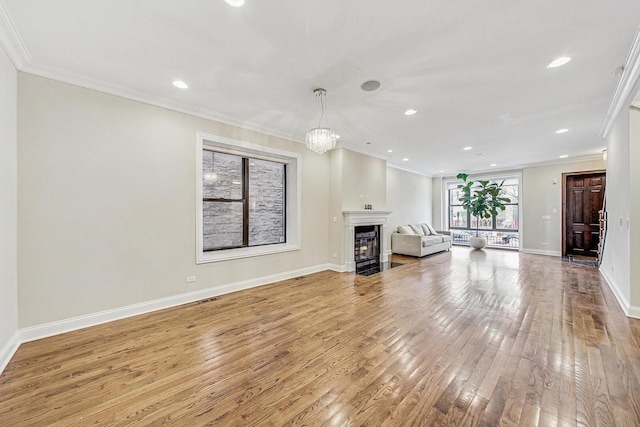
(477, 242)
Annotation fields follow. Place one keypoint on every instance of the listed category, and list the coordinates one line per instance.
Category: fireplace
(366, 250)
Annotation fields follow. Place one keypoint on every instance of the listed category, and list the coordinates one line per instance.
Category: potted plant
(483, 200)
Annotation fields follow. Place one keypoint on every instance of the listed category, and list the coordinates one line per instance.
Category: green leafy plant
(481, 198)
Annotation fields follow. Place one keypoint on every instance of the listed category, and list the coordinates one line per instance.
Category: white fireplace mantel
(353, 219)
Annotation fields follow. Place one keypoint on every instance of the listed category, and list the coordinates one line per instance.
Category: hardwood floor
(459, 338)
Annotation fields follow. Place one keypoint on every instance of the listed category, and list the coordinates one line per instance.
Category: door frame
(564, 202)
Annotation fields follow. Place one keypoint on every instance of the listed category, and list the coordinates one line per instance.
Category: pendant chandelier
(320, 139)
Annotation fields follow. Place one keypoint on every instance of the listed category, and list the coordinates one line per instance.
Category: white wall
(364, 181)
(540, 197)
(616, 258)
(355, 179)
(409, 198)
(439, 221)
(336, 220)
(633, 225)
(107, 204)
(440, 192)
(8, 210)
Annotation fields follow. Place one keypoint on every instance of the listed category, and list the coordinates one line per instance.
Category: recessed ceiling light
(337, 136)
(180, 84)
(493, 164)
(405, 159)
(389, 151)
(558, 62)
(563, 130)
(564, 156)
(442, 171)
(370, 85)
(410, 112)
(235, 3)
(467, 148)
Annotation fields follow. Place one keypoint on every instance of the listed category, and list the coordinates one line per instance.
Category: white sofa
(419, 240)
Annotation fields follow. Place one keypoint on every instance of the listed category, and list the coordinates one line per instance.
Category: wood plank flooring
(460, 338)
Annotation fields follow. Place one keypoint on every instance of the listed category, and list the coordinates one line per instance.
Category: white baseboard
(541, 252)
(8, 350)
(37, 332)
(628, 309)
(337, 268)
(634, 311)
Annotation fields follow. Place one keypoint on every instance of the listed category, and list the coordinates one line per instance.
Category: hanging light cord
(320, 105)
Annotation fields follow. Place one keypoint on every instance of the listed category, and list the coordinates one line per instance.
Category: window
(248, 203)
(458, 216)
(243, 201)
(508, 218)
(502, 227)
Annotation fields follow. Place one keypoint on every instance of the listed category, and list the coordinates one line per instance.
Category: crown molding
(576, 159)
(358, 149)
(11, 41)
(522, 166)
(410, 170)
(625, 87)
(132, 94)
(17, 51)
(377, 155)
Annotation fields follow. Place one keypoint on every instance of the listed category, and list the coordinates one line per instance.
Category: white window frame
(293, 197)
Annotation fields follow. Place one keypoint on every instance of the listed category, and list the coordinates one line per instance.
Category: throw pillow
(425, 229)
(433, 230)
(404, 230)
(417, 229)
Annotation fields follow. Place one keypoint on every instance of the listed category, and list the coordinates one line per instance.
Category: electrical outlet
(191, 279)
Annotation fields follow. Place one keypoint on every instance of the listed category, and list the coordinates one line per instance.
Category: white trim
(620, 298)
(134, 94)
(355, 218)
(337, 268)
(238, 253)
(558, 161)
(625, 87)
(8, 350)
(67, 325)
(11, 40)
(351, 147)
(294, 197)
(634, 312)
(415, 171)
(541, 252)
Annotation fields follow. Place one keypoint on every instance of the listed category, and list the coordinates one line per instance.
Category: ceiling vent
(370, 86)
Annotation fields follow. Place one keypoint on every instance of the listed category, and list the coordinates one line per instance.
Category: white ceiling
(475, 71)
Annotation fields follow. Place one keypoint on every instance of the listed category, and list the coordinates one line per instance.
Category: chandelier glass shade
(320, 139)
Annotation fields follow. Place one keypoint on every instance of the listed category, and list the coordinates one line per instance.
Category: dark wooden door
(584, 196)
